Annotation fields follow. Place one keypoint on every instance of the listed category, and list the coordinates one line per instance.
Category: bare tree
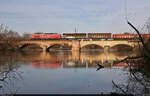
(26, 36)
(138, 81)
(9, 75)
(10, 37)
(146, 50)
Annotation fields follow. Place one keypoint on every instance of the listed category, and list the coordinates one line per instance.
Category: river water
(62, 72)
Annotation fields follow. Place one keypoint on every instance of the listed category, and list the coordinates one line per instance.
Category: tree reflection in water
(9, 74)
(138, 82)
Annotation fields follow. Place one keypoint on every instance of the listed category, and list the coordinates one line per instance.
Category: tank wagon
(74, 35)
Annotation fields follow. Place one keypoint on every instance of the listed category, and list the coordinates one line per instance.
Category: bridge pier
(75, 45)
(76, 50)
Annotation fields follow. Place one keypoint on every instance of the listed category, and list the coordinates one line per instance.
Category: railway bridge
(77, 44)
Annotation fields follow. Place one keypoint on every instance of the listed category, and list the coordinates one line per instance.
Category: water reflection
(46, 64)
(71, 59)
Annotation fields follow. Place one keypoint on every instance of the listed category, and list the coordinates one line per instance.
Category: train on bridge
(71, 36)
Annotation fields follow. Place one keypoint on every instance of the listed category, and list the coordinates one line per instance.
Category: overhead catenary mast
(76, 30)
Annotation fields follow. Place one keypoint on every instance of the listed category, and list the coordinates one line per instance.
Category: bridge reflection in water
(67, 59)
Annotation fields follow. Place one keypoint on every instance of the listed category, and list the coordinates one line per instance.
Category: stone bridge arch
(61, 44)
(127, 43)
(107, 44)
(122, 47)
(86, 43)
(22, 46)
(43, 44)
(90, 45)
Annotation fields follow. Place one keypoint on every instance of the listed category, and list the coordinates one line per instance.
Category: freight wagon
(74, 35)
(99, 35)
(145, 35)
(124, 36)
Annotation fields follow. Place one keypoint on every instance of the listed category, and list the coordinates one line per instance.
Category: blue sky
(64, 15)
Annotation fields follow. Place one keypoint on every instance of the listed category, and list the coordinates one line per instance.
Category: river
(62, 72)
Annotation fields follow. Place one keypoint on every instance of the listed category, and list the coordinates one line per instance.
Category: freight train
(79, 36)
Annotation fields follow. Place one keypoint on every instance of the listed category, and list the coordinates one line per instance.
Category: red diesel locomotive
(45, 36)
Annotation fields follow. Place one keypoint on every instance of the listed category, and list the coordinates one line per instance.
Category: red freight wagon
(124, 36)
(145, 35)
